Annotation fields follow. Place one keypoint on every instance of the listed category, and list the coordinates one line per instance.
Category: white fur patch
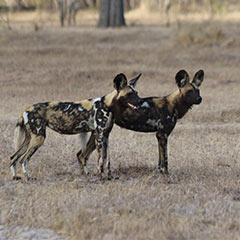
(155, 123)
(183, 82)
(25, 117)
(96, 99)
(151, 122)
(83, 139)
(38, 129)
(13, 170)
(145, 104)
(24, 168)
(69, 105)
(160, 125)
(198, 82)
(80, 109)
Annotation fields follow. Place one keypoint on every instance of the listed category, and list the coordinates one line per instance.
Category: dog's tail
(19, 134)
(83, 139)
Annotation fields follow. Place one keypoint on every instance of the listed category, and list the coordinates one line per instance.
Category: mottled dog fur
(93, 115)
(160, 114)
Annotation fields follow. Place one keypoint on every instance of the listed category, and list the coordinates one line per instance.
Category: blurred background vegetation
(39, 13)
(183, 5)
(164, 6)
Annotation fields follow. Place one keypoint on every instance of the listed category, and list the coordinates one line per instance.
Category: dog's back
(62, 117)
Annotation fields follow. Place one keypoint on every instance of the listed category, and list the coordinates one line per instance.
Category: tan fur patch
(109, 98)
(187, 88)
(29, 109)
(52, 104)
(86, 104)
(20, 120)
(172, 98)
(124, 92)
(158, 101)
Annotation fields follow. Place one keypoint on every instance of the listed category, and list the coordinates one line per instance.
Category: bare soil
(200, 199)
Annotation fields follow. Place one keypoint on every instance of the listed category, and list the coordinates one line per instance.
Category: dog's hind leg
(87, 147)
(35, 143)
(15, 157)
(20, 149)
(83, 139)
(24, 163)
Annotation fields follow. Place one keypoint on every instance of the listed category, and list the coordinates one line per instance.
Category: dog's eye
(189, 93)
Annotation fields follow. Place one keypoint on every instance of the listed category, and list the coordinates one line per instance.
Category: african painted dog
(93, 115)
(159, 114)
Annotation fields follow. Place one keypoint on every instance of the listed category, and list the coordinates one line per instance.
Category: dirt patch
(21, 233)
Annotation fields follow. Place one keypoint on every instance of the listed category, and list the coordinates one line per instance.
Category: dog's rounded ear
(182, 78)
(119, 82)
(198, 78)
(133, 82)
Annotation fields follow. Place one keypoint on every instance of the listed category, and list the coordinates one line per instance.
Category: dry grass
(200, 199)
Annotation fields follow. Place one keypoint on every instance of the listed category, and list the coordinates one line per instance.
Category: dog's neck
(178, 106)
(109, 98)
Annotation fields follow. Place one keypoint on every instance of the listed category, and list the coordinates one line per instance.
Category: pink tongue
(132, 106)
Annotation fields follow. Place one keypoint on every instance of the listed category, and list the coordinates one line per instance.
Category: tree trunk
(111, 13)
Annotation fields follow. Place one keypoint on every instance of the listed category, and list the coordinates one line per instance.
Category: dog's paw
(17, 178)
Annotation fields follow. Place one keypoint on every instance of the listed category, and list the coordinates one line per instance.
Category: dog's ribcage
(66, 117)
(150, 117)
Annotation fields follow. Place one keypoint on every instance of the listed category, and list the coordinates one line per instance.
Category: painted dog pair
(93, 115)
(152, 114)
(158, 114)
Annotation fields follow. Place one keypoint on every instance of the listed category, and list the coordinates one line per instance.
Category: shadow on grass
(131, 172)
(151, 174)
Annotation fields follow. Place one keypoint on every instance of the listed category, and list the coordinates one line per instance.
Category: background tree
(111, 13)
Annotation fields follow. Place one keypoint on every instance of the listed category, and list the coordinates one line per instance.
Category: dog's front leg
(103, 158)
(104, 122)
(102, 145)
(162, 148)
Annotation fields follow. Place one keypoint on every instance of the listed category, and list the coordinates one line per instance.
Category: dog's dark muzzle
(198, 100)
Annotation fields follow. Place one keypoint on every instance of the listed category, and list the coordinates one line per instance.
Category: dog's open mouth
(132, 106)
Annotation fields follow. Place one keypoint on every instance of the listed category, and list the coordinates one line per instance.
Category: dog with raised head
(92, 115)
(159, 114)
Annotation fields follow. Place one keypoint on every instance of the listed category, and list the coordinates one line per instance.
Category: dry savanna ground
(201, 197)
